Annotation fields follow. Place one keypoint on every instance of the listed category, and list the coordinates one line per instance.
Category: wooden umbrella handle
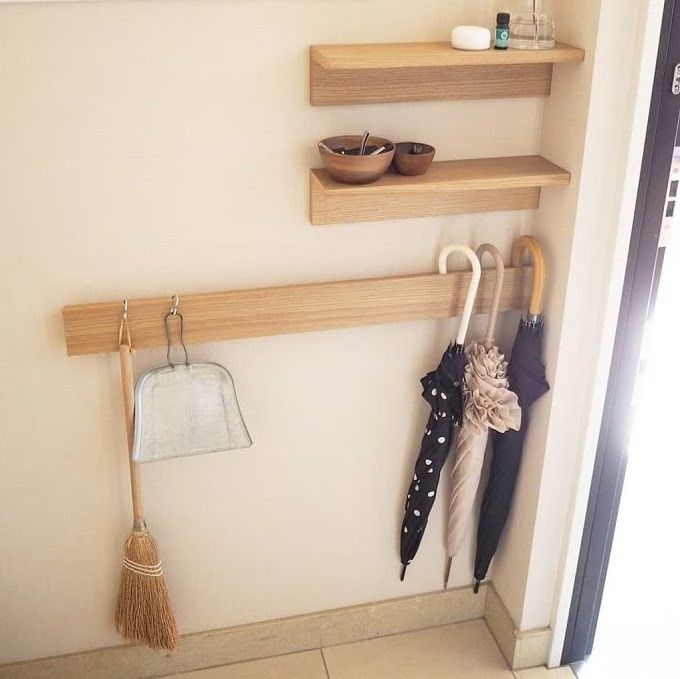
(540, 270)
(125, 355)
(498, 289)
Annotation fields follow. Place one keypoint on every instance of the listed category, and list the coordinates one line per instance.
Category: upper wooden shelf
(391, 72)
(448, 187)
(425, 54)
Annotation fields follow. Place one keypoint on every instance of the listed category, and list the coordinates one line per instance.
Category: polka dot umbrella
(443, 390)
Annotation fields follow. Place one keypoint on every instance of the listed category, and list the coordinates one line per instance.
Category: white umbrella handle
(498, 289)
(472, 290)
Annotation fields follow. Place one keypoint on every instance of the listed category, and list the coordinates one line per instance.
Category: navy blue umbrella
(526, 375)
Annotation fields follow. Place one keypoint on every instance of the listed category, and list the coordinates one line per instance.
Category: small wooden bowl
(413, 164)
(351, 168)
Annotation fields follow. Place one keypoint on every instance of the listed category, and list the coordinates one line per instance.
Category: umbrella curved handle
(540, 270)
(472, 290)
(498, 289)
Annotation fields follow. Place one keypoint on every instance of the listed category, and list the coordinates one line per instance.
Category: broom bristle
(144, 612)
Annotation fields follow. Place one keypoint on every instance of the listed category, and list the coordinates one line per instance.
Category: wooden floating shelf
(391, 72)
(261, 312)
(449, 187)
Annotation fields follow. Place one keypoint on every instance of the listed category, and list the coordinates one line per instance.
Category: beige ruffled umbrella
(489, 404)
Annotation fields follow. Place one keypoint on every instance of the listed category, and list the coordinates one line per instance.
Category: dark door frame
(639, 288)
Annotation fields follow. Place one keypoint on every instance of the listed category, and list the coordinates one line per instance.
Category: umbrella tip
(403, 572)
(477, 583)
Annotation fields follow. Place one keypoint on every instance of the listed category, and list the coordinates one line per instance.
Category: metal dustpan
(187, 409)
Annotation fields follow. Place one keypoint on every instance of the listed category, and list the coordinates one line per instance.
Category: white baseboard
(522, 650)
(300, 633)
(262, 639)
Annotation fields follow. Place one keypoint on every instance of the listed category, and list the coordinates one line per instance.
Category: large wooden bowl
(351, 168)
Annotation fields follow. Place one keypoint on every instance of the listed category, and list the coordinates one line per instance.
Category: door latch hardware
(675, 87)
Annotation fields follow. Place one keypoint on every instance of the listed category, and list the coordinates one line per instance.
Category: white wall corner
(521, 650)
(594, 124)
(632, 128)
(563, 142)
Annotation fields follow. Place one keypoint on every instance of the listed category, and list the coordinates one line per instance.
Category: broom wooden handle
(125, 354)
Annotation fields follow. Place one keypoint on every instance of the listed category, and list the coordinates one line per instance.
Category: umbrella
(489, 404)
(442, 389)
(526, 373)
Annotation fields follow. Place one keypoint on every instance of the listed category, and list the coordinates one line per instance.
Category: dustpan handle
(472, 290)
(174, 314)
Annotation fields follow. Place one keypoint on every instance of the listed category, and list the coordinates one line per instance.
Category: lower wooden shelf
(449, 187)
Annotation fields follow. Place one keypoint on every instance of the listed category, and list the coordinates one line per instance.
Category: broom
(144, 612)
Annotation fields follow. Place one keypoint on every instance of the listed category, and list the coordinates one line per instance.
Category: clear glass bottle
(531, 29)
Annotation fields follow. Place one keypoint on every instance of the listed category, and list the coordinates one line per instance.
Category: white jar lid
(471, 38)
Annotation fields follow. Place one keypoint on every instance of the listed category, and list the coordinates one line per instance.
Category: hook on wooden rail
(124, 327)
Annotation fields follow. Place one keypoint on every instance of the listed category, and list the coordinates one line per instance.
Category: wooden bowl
(413, 164)
(351, 168)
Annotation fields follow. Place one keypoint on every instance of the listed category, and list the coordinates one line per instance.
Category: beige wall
(160, 147)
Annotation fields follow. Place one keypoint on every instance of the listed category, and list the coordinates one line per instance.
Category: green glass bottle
(502, 31)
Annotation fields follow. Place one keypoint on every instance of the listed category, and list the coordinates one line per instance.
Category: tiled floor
(463, 651)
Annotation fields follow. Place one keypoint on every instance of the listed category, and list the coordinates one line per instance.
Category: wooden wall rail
(93, 328)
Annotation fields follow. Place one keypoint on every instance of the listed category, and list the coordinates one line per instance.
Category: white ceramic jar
(471, 38)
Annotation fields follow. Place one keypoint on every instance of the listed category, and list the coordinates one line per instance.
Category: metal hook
(124, 326)
(175, 305)
(173, 313)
